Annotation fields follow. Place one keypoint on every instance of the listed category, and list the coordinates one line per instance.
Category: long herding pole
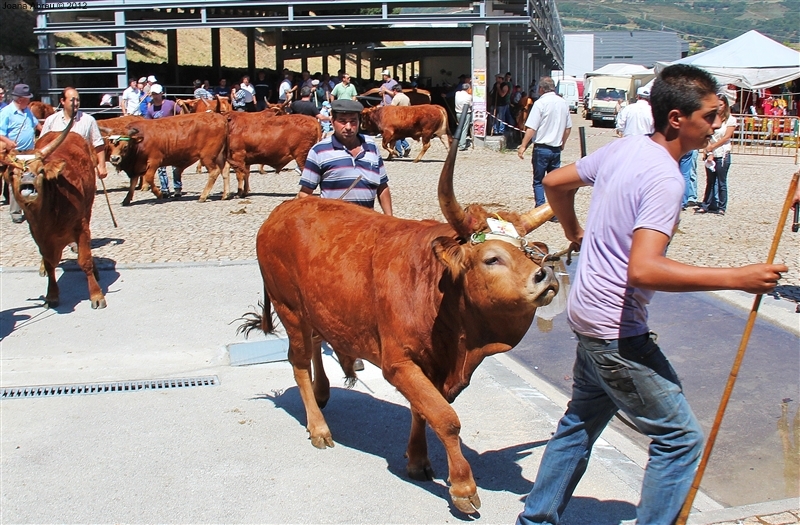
(105, 192)
(687, 505)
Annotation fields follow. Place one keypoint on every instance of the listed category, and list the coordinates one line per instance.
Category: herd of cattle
(425, 301)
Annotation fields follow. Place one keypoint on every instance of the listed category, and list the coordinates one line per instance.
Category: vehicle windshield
(610, 94)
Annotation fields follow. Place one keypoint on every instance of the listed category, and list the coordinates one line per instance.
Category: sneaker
(554, 219)
(17, 219)
(176, 196)
(358, 365)
(406, 151)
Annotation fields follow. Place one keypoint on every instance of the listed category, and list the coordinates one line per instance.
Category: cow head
(119, 146)
(370, 122)
(27, 172)
(502, 273)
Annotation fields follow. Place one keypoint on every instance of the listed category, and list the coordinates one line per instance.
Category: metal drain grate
(107, 388)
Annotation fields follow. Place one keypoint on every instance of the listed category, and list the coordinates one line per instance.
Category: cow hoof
(202, 199)
(468, 504)
(322, 442)
(226, 196)
(424, 473)
(51, 303)
(126, 202)
(98, 303)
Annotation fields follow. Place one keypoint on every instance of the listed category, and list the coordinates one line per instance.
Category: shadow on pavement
(591, 511)
(381, 428)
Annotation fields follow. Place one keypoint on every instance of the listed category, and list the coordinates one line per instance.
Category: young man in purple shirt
(635, 207)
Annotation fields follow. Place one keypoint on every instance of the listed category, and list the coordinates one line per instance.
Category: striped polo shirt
(331, 167)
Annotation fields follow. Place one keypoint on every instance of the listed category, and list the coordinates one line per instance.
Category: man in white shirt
(285, 89)
(549, 126)
(84, 125)
(463, 98)
(129, 101)
(637, 118)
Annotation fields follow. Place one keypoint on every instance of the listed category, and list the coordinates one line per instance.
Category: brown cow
(262, 138)
(115, 126)
(416, 96)
(399, 122)
(422, 300)
(55, 185)
(178, 141)
(41, 110)
(202, 105)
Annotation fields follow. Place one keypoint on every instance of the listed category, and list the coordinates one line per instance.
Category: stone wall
(16, 69)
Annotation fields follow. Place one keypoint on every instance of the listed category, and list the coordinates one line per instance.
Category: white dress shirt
(636, 119)
(549, 118)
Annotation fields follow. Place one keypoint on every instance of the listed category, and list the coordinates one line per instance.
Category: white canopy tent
(751, 61)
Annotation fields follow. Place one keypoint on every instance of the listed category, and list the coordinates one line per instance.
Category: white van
(568, 89)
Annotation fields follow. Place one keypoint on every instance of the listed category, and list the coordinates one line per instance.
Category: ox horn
(450, 207)
(50, 148)
(536, 217)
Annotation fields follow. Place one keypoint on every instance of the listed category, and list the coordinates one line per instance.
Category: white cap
(151, 78)
(643, 92)
(315, 82)
(386, 72)
(156, 88)
(142, 80)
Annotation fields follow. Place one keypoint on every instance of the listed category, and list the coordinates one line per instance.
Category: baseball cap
(326, 104)
(386, 72)
(151, 78)
(315, 82)
(347, 106)
(142, 80)
(643, 92)
(465, 86)
(156, 88)
(22, 90)
(397, 87)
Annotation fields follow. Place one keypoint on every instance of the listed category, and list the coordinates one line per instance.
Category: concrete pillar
(479, 63)
(405, 78)
(279, 51)
(120, 40)
(358, 64)
(172, 54)
(324, 64)
(504, 52)
(343, 63)
(251, 52)
(303, 63)
(216, 52)
(493, 60)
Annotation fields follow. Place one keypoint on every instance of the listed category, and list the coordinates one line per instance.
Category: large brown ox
(41, 110)
(55, 185)
(422, 300)
(398, 122)
(415, 95)
(263, 138)
(115, 126)
(177, 141)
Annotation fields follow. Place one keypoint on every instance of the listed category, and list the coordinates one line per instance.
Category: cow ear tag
(501, 227)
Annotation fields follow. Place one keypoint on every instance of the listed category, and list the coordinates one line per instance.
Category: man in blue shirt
(17, 127)
(3, 102)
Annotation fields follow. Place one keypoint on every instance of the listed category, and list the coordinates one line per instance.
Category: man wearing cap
(637, 118)
(17, 126)
(387, 88)
(549, 126)
(500, 97)
(162, 108)
(347, 165)
(129, 101)
(344, 90)
(84, 125)
(318, 95)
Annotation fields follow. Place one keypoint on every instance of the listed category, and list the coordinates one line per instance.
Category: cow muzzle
(545, 285)
(27, 186)
(114, 159)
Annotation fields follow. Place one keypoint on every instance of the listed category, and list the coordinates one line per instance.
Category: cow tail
(258, 321)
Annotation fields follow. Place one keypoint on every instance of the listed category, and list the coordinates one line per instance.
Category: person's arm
(102, 172)
(305, 192)
(122, 104)
(725, 138)
(526, 139)
(560, 187)
(650, 269)
(564, 137)
(385, 199)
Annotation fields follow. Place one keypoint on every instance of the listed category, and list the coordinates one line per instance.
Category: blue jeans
(688, 166)
(545, 159)
(401, 145)
(716, 196)
(503, 114)
(631, 375)
(164, 181)
(462, 139)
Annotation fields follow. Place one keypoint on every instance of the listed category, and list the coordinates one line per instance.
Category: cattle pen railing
(776, 136)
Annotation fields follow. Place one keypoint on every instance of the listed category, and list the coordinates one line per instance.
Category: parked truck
(609, 89)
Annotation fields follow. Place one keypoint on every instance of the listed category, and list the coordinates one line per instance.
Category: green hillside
(704, 23)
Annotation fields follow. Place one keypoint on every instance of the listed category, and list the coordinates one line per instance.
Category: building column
(358, 63)
(343, 62)
(47, 60)
(493, 60)
(172, 54)
(279, 52)
(251, 52)
(120, 40)
(216, 52)
(504, 54)
(479, 85)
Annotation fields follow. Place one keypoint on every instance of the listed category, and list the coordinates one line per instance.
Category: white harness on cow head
(504, 231)
(116, 138)
(25, 160)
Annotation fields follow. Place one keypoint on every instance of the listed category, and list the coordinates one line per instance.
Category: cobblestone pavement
(781, 518)
(154, 231)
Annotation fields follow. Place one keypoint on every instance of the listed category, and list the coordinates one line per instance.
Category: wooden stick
(109, 203)
(687, 505)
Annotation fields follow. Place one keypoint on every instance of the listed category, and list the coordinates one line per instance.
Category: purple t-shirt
(637, 184)
(167, 109)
